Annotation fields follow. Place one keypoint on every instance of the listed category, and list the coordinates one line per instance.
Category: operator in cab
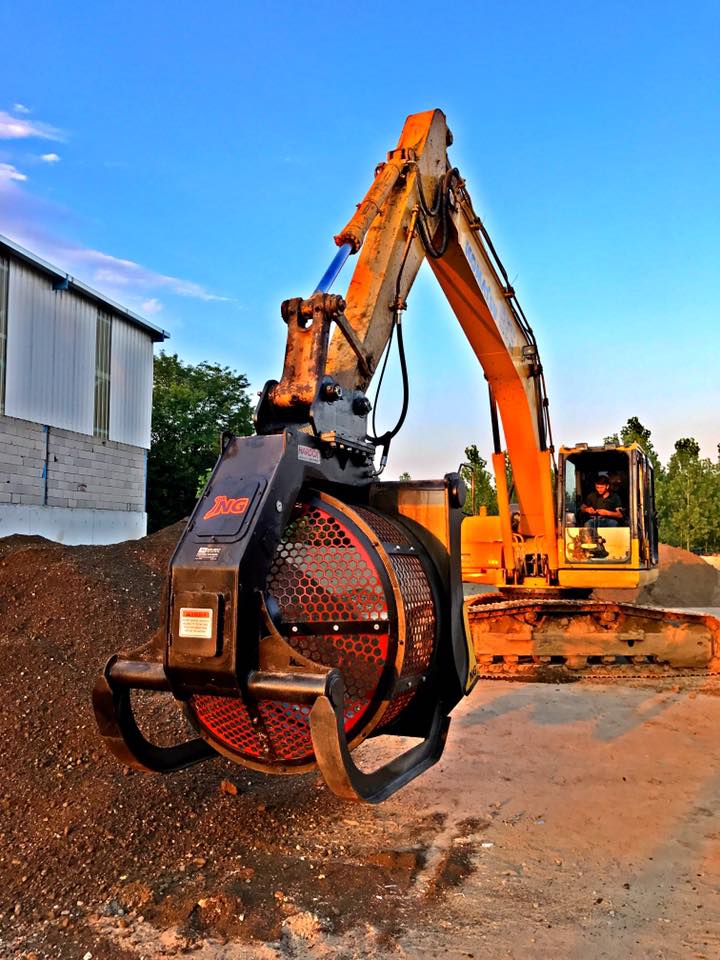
(601, 507)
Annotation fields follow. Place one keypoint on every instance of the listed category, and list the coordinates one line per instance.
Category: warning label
(308, 454)
(196, 622)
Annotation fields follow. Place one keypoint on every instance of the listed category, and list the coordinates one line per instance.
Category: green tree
(405, 476)
(480, 483)
(688, 510)
(635, 432)
(192, 405)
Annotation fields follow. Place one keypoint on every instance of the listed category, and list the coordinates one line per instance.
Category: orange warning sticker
(196, 622)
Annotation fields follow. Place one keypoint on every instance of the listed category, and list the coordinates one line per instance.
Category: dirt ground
(574, 821)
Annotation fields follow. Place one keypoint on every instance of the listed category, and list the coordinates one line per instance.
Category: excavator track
(561, 640)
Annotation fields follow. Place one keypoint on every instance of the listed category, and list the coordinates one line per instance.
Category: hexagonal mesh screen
(333, 610)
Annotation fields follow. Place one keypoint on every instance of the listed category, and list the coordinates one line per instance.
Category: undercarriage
(565, 639)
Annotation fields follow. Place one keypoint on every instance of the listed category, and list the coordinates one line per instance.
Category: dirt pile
(684, 580)
(87, 846)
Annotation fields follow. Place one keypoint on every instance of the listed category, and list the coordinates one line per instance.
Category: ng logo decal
(227, 505)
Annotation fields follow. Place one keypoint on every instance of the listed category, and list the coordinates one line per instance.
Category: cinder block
(62, 485)
(7, 442)
(31, 464)
(25, 443)
(27, 474)
(22, 484)
(9, 425)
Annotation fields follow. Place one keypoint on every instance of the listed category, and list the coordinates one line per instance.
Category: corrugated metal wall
(50, 353)
(131, 382)
(51, 362)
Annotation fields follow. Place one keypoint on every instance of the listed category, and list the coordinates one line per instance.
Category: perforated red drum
(347, 589)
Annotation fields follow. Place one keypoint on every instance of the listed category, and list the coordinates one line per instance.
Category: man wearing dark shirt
(603, 508)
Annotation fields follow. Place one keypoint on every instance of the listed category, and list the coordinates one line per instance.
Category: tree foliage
(479, 481)
(687, 491)
(192, 405)
(635, 432)
(689, 506)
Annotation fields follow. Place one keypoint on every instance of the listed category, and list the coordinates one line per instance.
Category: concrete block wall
(91, 473)
(22, 458)
(82, 472)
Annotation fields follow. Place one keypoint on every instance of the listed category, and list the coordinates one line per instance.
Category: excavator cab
(601, 551)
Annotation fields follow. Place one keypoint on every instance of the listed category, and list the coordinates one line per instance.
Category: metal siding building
(131, 376)
(50, 353)
(75, 406)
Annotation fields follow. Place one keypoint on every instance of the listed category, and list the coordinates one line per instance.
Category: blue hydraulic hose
(331, 274)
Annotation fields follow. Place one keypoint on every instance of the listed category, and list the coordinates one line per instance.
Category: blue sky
(194, 163)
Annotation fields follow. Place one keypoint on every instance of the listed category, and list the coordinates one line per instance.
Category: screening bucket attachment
(298, 624)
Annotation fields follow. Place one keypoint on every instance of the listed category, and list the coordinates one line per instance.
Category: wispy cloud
(18, 128)
(21, 108)
(50, 158)
(120, 273)
(10, 173)
(151, 306)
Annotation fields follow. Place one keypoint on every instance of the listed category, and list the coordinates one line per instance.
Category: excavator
(310, 604)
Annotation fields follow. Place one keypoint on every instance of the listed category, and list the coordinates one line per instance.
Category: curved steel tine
(122, 736)
(341, 774)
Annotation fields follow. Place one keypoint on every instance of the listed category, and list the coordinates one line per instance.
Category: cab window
(597, 515)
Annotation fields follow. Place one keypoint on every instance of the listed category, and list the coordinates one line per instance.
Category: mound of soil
(85, 843)
(684, 580)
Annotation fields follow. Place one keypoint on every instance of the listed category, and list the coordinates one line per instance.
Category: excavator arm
(418, 207)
